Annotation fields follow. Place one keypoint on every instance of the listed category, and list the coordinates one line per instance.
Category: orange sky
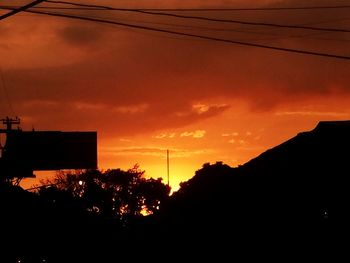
(145, 92)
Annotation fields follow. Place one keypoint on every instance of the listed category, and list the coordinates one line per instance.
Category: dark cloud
(81, 34)
(109, 120)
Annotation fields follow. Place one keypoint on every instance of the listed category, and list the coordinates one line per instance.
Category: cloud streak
(195, 134)
(153, 152)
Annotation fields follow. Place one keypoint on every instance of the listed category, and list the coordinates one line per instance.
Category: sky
(145, 92)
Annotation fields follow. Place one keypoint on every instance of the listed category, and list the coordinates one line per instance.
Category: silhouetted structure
(296, 192)
(28, 151)
(293, 195)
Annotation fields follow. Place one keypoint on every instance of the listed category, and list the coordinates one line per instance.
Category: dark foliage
(78, 215)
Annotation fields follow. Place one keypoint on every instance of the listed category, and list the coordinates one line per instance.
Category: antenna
(167, 161)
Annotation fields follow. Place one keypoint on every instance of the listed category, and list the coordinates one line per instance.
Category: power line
(199, 27)
(166, 24)
(222, 40)
(243, 22)
(146, 9)
(234, 30)
(188, 9)
(246, 9)
(277, 36)
(202, 18)
(53, 7)
(231, 9)
(304, 36)
(105, 8)
(203, 28)
(22, 8)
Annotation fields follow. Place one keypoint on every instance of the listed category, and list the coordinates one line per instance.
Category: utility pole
(8, 122)
(167, 161)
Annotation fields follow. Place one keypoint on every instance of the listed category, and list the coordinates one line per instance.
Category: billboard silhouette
(27, 151)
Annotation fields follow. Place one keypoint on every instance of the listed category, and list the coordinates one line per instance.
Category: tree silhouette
(118, 194)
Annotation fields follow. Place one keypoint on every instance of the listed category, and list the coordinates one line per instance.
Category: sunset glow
(149, 92)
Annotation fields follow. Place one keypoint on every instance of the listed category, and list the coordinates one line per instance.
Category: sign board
(50, 150)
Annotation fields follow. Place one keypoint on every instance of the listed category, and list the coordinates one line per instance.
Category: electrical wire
(142, 27)
(230, 9)
(188, 9)
(222, 40)
(202, 18)
(275, 36)
(216, 29)
(55, 8)
(21, 9)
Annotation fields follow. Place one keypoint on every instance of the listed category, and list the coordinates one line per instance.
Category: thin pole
(167, 160)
